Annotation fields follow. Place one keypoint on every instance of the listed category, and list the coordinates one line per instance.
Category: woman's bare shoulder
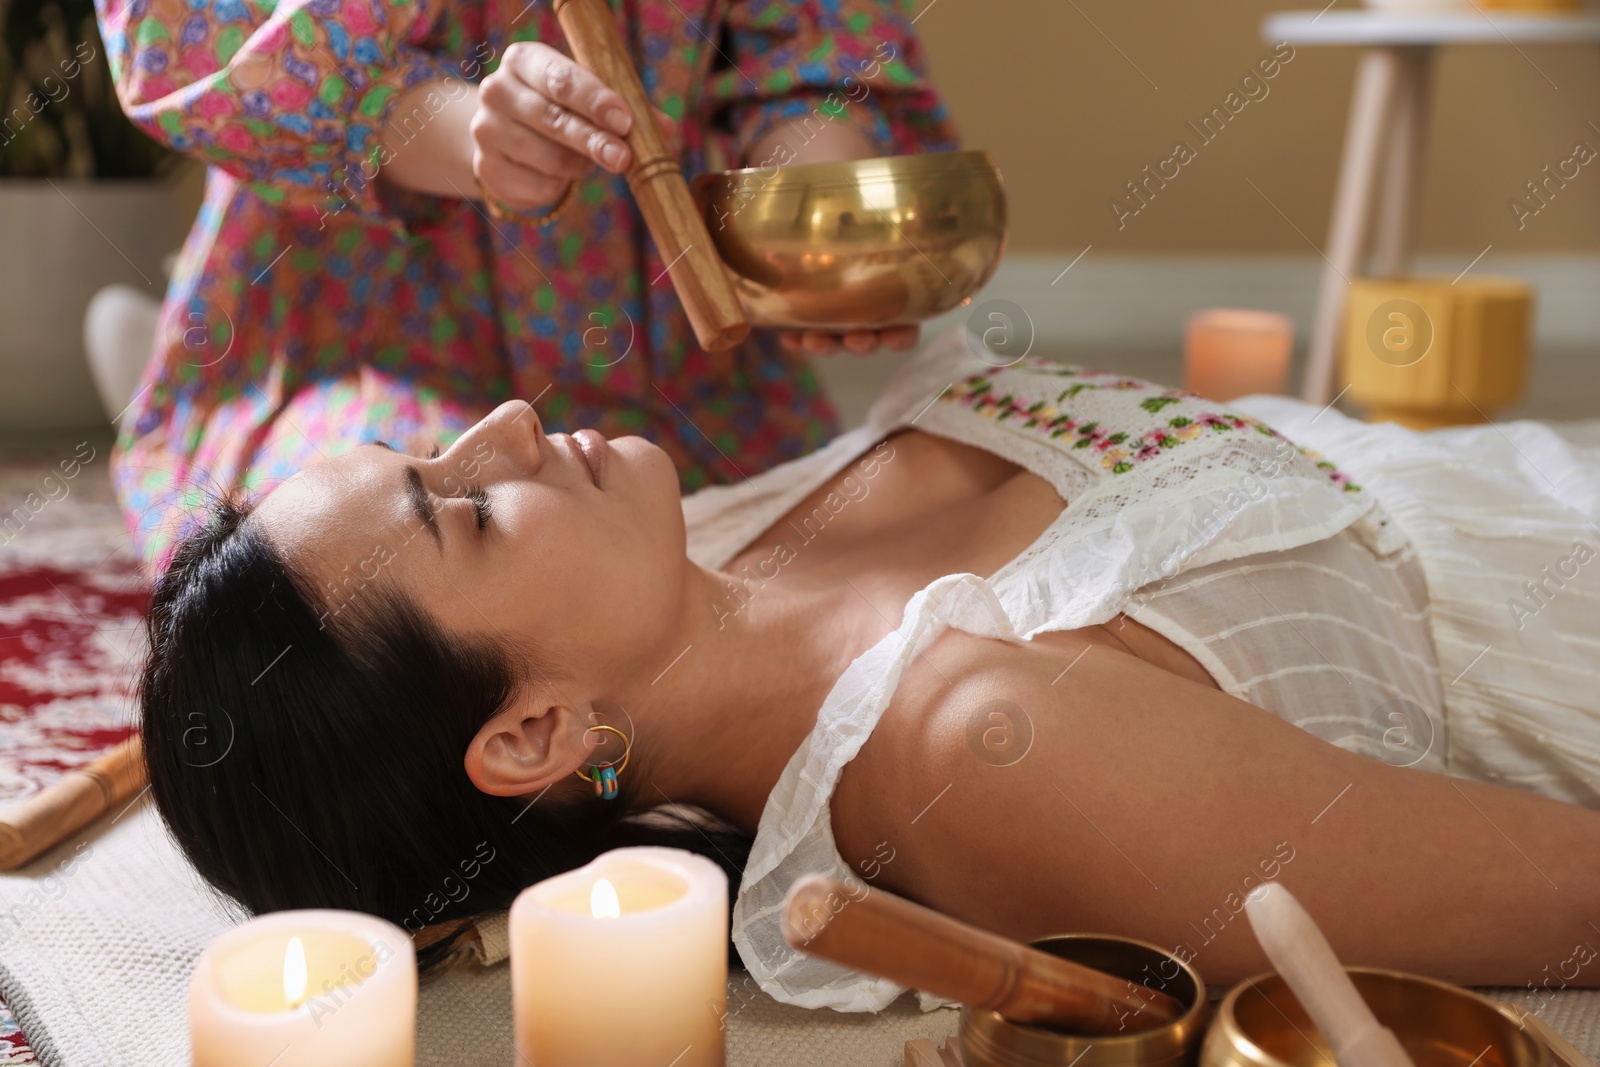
(976, 728)
(997, 757)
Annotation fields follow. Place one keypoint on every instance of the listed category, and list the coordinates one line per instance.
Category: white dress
(1279, 573)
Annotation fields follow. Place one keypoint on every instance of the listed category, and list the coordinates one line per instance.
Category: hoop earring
(604, 775)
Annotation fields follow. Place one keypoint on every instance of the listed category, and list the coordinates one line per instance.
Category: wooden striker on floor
(889, 936)
(62, 808)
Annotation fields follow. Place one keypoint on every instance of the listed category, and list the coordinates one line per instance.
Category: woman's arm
(1150, 806)
(435, 155)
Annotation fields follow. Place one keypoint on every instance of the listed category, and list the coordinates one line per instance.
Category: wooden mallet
(680, 232)
(888, 936)
(1299, 952)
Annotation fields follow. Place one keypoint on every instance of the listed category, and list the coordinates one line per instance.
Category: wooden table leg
(1405, 164)
(1376, 81)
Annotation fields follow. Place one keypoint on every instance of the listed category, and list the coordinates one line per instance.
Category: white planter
(60, 243)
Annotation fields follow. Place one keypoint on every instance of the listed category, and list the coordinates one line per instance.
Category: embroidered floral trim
(1120, 450)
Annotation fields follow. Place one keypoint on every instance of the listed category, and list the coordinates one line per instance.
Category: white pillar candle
(623, 963)
(305, 989)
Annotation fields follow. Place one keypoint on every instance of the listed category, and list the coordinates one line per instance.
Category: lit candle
(1228, 353)
(623, 963)
(305, 989)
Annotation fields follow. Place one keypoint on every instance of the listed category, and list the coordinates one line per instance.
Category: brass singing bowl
(868, 243)
(988, 1040)
(1261, 1024)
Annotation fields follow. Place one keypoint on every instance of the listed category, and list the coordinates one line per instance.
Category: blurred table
(1386, 139)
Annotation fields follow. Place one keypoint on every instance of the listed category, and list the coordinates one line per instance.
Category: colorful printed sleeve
(289, 95)
(813, 61)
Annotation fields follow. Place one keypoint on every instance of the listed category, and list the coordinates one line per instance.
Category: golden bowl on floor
(987, 1040)
(1261, 1024)
(868, 243)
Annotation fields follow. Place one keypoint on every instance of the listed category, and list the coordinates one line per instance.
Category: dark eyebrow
(382, 444)
(417, 496)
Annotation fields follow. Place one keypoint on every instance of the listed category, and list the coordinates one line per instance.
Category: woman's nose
(506, 443)
(517, 435)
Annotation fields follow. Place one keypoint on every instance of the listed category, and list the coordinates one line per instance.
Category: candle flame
(294, 972)
(603, 902)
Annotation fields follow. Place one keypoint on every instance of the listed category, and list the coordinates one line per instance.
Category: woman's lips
(595, 449)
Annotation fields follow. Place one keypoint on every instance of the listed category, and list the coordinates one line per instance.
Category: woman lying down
(1040, 647)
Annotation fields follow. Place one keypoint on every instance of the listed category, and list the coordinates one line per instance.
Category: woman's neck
(736, 697)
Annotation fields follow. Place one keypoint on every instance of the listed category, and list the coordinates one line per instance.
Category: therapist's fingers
(820, 342)
(814, 342)
(527, 106)
(858, 342)
(494, 132)
(575, 108)
(893, 338)
(899, 338)
(574, 88)
(861, 342)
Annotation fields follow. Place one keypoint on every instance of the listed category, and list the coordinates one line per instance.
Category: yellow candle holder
(1427, 352)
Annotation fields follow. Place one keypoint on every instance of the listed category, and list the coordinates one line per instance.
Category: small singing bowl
(987, 1040)
(863, 244)
(1261, 1024)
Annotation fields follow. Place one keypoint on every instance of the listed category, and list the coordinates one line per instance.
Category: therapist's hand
(543, 121)
(856, 342)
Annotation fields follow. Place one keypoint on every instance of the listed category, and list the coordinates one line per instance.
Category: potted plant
(86, 200)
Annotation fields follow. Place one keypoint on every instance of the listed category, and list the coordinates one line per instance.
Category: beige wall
(1070, 120)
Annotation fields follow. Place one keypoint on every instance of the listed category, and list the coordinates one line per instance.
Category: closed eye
(433, 454)
(480, 504)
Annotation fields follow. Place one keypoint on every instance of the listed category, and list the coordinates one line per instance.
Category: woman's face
(570, 545)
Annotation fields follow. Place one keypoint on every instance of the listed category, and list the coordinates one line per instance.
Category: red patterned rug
(71, 600)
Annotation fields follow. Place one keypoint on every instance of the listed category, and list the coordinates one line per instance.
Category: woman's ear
(531, 744)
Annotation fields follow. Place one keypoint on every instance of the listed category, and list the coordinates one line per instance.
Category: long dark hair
(302, 765)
